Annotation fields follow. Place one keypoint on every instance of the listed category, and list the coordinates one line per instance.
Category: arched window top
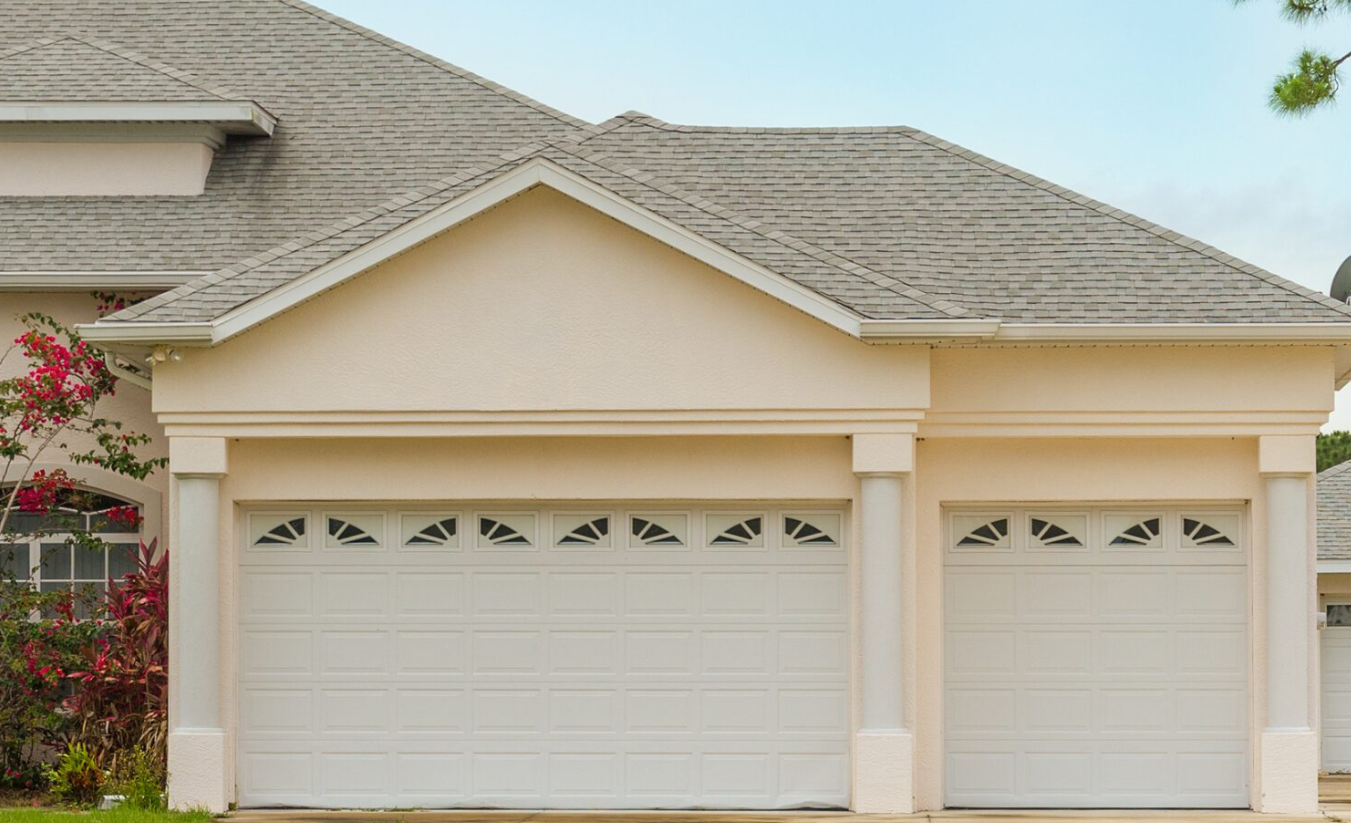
(78, 509)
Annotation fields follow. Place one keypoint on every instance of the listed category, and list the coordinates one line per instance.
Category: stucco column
(197, 739)
(1289, 756)
(883, 746)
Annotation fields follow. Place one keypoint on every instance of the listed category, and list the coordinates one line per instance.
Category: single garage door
(493, 655)
(1336, 688)
(1096, 658)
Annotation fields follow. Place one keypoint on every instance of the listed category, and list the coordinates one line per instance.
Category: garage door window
(1339, 615)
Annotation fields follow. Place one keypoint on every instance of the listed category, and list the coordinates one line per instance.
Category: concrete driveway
(1334, 792)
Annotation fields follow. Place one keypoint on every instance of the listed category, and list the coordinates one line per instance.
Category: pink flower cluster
(43, 490)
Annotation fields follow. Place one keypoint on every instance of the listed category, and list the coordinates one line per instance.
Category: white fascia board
(528, 175)
(55, 281)
(884, 330)
(232, 116)
(147, 334)
(1334, 566)
(1331, 333)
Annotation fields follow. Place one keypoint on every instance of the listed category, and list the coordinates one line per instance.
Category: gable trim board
(232, 117)
(540, 171)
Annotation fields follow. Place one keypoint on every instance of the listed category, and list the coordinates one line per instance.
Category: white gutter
(231, 116)
(122, 373)
(995, 330)
(148, 334)
(90, 280)
(874, 331)
(1334, 566)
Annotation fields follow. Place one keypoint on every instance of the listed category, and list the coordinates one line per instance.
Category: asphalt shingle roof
(891, 222)
(69, 69)
(1334, 512)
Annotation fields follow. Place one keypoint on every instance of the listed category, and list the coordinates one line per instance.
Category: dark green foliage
(1314, 81)
(1333, 448)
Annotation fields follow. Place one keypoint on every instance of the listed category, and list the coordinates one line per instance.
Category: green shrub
(76, 778)
(139, 778)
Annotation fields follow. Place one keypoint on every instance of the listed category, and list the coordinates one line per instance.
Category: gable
(542, 304)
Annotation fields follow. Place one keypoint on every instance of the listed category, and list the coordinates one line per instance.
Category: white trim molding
(230, 116)
(1334, 566)
(542, 172)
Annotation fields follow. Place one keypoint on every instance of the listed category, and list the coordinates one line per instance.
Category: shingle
(889, 221)
(1334, 513)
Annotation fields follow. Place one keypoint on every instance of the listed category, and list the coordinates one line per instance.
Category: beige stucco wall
(71, 168)
(542, 304)
(544, 310)
(130, 404)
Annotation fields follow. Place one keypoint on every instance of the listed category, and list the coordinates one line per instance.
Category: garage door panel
(1079, 676)
(1335, 694)
(509, 668)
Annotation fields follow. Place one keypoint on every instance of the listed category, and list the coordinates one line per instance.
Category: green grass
(119, 815)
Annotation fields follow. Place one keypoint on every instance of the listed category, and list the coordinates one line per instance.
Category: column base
(884, 772)
(1289, 777)
(197, 770)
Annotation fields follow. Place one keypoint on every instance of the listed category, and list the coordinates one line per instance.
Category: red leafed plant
(121, 698)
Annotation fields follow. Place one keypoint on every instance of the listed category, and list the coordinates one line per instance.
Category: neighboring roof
(1334, 512)
(360, 120)
(69, 69)
(889, 223)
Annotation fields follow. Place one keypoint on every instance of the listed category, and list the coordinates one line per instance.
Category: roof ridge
(37, 43)
(337, 227)
(835, 259)
(462, 73)
(1333, 471)
(159, 66)
(129, 55)
(657, 123)
(1126, 217)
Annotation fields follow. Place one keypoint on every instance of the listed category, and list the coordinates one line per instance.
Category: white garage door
(1336, 689)
(580, 657)
(1096, 658)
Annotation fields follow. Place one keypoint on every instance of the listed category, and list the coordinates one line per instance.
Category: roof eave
(243, 117)
(999, 331)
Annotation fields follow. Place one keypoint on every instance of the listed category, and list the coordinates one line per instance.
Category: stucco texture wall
(130, 405)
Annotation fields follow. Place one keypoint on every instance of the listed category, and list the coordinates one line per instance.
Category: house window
(45, 551)
(1339, 615)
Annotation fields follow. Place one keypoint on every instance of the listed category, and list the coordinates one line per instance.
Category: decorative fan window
(45, 551)
(582, 531)
(811, 530)
(1126, 531)
(1339, 615)
(1209, 531)
(506, 531)
(279, 531)
(430, 531)
(1057, 531)
(659, 531)
(736, 530)
(981, 531)
(354, 531)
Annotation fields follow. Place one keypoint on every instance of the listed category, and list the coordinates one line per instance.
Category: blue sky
(1155, 106)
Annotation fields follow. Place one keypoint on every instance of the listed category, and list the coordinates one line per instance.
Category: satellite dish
(1341, 282)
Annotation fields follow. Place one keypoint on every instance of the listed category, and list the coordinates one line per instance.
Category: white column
(883, 746)
(1289, 756)
(197, 739)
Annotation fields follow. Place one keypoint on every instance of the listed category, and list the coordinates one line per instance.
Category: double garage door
(492, 655)
(1096, 658)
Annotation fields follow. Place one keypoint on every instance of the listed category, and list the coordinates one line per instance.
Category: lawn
(14, 815)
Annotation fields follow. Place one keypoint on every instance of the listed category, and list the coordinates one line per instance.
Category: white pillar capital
(199, 456)
(1286, 454)
(884, 453)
